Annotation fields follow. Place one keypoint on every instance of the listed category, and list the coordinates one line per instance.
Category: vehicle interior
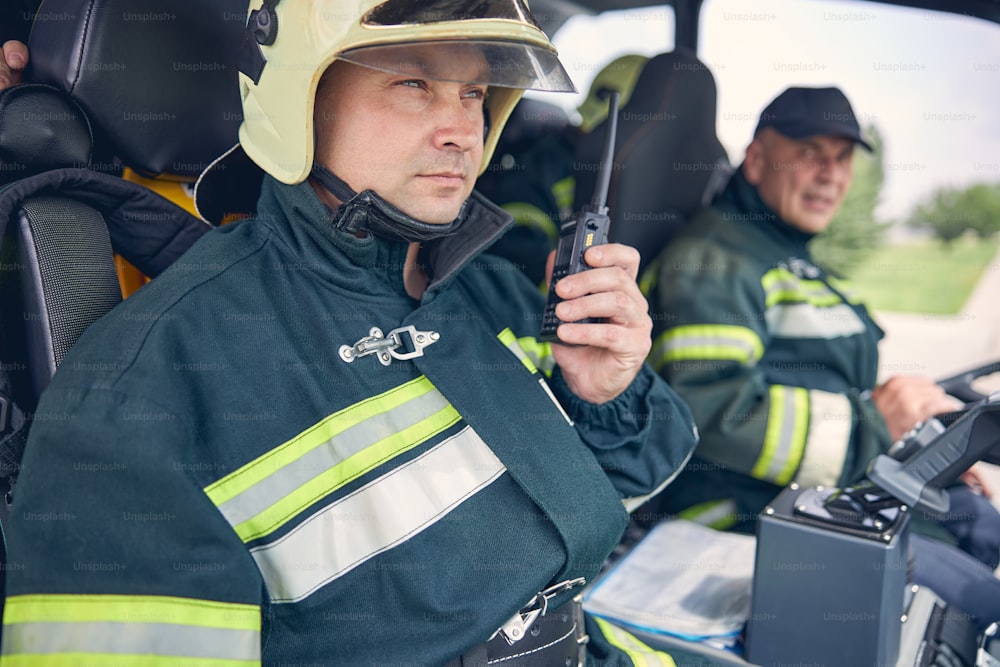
(82, 229)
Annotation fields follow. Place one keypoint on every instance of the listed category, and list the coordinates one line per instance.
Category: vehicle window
(926, 80)
(925, 83)
(587, 43)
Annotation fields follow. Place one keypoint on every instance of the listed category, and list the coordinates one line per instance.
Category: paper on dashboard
(682, 579)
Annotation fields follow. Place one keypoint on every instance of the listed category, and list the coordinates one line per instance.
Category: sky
(929, 81)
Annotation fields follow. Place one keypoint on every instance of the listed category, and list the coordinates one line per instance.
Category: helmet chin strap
(368, 212)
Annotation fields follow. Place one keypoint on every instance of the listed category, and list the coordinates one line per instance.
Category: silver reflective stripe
(803, 320)
(781, 440)
(144, 639)
(402, 503)
(633, 503)
(333, 452)
(831, 421)
(707, 341)
(552, 397)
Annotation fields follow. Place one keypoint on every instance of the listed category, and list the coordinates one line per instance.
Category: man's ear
(754, 163)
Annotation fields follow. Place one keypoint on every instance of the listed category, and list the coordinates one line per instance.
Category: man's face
(415, 141)
(804, 181)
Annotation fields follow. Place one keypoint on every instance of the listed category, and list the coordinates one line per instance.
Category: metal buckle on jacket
(386, 346)
(514, 629)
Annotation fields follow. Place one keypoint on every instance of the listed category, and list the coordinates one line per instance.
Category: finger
(623, 342)
(944, 404)
(605, 279)
(15, 57)
(614, 254)
(617, 307)
(15, 54)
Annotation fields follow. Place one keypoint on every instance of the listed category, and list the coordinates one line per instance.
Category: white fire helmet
(289, 44)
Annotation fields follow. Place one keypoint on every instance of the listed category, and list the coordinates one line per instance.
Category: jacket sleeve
(167, 579)
(642, 438)
(710, 332)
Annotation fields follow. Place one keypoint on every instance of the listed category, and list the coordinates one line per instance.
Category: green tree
(854, 231)
(951, 212)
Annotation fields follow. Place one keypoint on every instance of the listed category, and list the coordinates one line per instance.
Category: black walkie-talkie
(588, 228)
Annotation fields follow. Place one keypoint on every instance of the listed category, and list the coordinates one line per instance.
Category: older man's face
(804, 181)
(417, 142)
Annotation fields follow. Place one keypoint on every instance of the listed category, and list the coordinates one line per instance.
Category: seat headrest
(157, 78)
(667, 153)
(531, 120)
(40, 129)
(621, 75)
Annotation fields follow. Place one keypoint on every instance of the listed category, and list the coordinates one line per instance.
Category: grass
(923, 276)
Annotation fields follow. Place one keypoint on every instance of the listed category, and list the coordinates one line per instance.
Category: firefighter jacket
(271, 454)
(773, 355)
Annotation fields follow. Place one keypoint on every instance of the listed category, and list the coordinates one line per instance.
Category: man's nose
(458, 126)
(831, 168)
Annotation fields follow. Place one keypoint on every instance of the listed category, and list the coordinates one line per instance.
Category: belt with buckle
(536, 636)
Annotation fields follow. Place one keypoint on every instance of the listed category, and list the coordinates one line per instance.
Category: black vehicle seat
(532, 172)
(144, 85)
(531, 176)
(156, 79)
(668, 160)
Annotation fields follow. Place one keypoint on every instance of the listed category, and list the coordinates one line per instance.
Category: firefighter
(778, 358)
(329, 434)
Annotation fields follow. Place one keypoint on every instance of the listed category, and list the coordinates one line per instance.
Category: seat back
(668, 160)
(118, 86)
(59, 231)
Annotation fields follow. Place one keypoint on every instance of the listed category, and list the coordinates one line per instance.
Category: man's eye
(412, 83)
(475, 93)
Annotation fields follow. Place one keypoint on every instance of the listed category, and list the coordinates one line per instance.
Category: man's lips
(818, 201)
(446, 178)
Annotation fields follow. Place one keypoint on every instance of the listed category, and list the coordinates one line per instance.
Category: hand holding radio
(595, 308)
(587, 229)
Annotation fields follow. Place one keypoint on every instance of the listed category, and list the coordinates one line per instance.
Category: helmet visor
(413, 12)
(489, 62)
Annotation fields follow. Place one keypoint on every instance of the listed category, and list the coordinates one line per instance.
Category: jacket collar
(740, 195)
(371, 264)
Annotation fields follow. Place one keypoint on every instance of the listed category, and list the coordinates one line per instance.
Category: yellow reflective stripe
(785, 436)
(508, 339)
(707, 341)
(130, 609)
(347, 471)
(846, 289)
(118, 660)
(118, 629)
(533, 353)
(267, 492)
(650, 277)
(783, 286)
(564, 190)
(717, 514)
(529, 215)
(539, 352)
(252, 473)
(640, 654)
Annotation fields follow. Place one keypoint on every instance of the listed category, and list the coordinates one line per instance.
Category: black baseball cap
(808, 112)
